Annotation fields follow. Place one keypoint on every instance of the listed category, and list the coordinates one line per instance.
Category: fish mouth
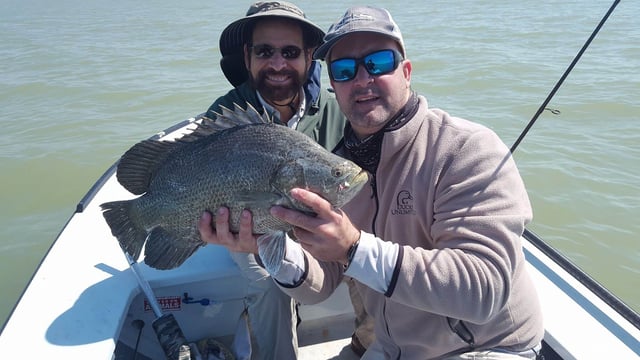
(354, 183)
(348, 188)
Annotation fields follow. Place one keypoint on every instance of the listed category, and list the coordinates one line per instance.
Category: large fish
(239, 160)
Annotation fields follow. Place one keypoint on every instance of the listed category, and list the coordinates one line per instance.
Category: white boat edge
(77, 302)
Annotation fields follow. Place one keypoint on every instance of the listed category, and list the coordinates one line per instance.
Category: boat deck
(326, 328)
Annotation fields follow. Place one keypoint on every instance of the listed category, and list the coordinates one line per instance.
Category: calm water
(81, 81)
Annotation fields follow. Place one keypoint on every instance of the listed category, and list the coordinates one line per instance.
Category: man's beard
(277, 93)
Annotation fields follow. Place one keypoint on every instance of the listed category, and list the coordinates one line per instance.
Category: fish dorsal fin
(227, 119)
(138, 164)
(238, 116)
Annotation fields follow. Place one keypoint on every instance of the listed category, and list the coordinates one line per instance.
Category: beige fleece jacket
(447, 191)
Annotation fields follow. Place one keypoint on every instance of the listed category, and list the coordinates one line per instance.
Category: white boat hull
(84, 302)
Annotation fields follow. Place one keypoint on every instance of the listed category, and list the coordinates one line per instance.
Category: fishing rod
(623, 309)
(167, 329)
(564, 76)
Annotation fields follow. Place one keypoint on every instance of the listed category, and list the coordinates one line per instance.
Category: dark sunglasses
(377, 63)
(264, 51)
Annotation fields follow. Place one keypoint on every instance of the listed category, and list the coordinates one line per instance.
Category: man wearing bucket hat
(434, 244)
(267, 57)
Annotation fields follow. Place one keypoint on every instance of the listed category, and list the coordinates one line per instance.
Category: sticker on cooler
(167, 303)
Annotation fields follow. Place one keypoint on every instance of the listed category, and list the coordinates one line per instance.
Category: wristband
(351, 253)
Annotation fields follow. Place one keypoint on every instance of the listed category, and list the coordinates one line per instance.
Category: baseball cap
(360, 19)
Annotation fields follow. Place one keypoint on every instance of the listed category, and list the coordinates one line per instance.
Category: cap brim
(322, 50)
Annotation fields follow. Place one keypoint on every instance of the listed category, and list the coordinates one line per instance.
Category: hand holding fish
(327, 236)
(243, 241)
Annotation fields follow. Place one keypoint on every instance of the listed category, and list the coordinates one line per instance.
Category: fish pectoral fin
(271, 248)
(137, 166)
(161, 252)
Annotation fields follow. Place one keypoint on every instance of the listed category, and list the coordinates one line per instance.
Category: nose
(362, 76)
(277, 62)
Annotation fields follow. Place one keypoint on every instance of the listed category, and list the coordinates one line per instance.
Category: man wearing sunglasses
(267, 57)
(434, 243)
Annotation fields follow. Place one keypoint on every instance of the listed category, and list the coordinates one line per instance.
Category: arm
(327, 239)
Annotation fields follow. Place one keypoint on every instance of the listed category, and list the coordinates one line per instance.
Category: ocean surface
(82, 81)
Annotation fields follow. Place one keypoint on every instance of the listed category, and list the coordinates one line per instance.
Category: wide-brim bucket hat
(235, 35)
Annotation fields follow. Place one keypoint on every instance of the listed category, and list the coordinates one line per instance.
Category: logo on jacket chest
(404, 204)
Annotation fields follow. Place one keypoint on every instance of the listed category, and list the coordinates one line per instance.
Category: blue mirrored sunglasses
(377, 63)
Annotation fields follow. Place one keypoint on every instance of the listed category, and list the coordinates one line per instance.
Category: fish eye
(336, 173)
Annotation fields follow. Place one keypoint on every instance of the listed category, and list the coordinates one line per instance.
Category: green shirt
(323, 121)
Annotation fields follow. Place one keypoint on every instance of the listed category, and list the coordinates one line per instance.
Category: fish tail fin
(130, 235)
(161, 252)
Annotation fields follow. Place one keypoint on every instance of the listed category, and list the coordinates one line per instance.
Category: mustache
(270, 72)
(364, 92)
